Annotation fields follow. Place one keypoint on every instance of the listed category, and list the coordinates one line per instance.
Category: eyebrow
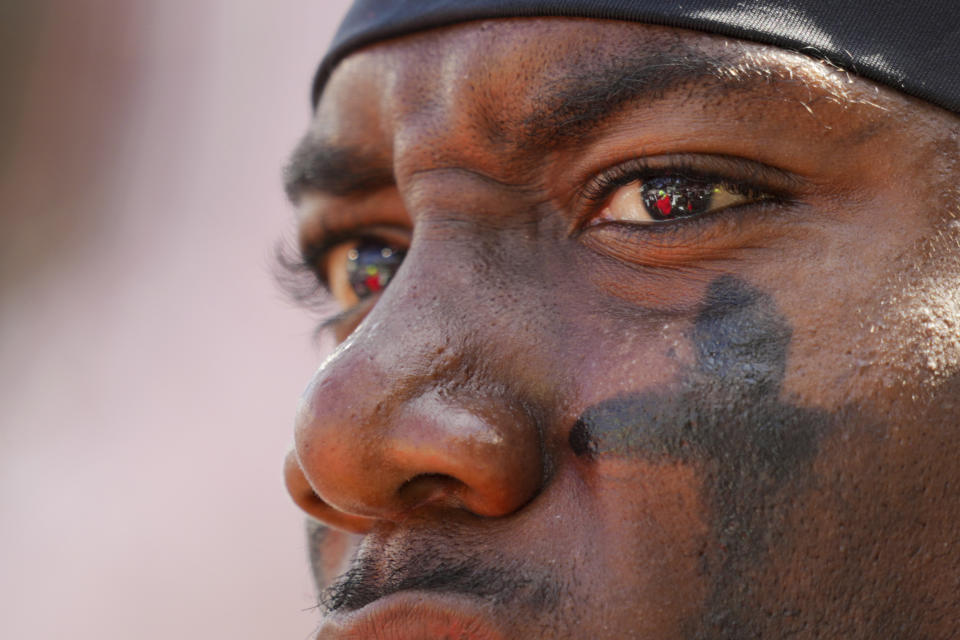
(336, 170)
(574, 104)
(569, 108)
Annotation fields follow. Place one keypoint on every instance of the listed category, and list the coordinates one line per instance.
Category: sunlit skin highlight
(560, 419)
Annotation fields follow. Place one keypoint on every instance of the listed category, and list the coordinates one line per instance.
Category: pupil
(672, 197)
(370, 266)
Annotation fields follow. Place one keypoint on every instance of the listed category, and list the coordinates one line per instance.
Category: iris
(672, 197)
(370, 266)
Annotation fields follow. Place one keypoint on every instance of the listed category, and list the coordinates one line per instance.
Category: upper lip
(415, 585)
(384, 566)
(414, 615)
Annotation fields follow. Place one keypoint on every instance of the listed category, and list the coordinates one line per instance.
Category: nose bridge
(431, 328)
(408, 412)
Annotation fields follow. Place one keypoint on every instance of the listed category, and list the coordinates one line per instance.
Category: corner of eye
(604, 216)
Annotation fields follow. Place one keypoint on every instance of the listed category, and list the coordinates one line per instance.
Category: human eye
(663, 194)
(340, 273)
(672, 197)
(358, 269)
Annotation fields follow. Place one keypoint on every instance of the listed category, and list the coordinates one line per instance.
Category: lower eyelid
(688, 238)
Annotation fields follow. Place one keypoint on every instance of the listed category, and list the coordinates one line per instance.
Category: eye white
(627, 203)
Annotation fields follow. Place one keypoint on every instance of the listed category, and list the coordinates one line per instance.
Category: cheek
(651, 531)
(877, 344)
(872, 546)
(617, 358)
(876, 301)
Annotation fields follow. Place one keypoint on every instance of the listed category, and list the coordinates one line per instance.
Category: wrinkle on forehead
(508, 88)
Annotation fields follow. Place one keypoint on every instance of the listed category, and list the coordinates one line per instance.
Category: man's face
(673, 351)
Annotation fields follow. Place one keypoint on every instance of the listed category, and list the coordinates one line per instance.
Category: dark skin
(564, 418)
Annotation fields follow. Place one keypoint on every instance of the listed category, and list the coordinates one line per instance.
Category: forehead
(542, 82)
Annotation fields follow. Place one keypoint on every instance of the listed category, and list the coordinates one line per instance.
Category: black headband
(911, 45)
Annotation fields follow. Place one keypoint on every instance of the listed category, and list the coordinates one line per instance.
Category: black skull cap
(910, 45)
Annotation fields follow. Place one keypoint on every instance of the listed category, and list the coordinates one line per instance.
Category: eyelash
(299, 278)
(302, 284)
(737, 174)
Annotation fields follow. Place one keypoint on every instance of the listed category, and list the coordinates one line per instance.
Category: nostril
(433, 489)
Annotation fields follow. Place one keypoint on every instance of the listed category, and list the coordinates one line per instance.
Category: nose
(411, 414)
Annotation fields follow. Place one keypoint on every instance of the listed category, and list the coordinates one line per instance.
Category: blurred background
(149, 366)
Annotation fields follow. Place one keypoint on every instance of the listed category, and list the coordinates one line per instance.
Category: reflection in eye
(359, 269)
(666, 198)
(370, 267)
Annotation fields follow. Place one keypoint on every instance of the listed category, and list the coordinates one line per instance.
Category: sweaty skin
(553, 423)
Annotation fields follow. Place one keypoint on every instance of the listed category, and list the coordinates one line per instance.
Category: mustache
(377, 572)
